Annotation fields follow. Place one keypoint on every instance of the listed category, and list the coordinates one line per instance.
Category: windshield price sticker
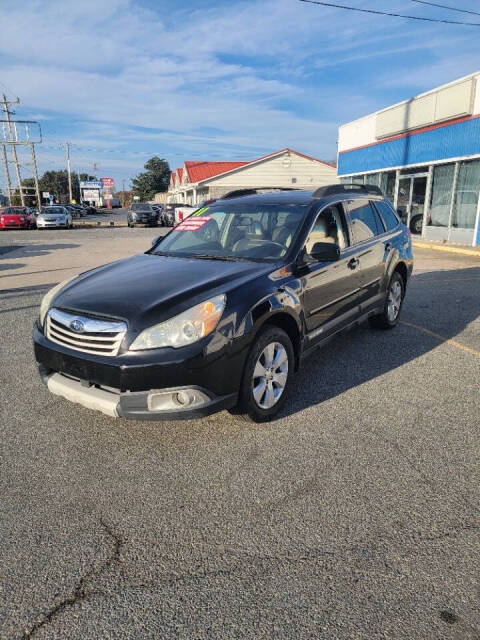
(192, 224)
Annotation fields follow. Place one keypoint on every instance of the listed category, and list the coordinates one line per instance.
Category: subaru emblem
(77, 326)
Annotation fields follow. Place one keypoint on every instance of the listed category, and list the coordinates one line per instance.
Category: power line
(444, 6)
(394, 15)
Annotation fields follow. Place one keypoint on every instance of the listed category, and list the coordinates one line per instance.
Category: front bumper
(43, 224)
(12, 225)
(135, 406)
(125, 383)
(147, 221)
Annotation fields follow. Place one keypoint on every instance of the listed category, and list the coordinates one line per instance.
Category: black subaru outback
(220, 312)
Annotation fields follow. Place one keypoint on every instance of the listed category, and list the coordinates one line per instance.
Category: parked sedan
(142, 213)
(16, 218)
(55, 216)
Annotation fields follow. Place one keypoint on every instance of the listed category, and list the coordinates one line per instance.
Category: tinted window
(364, 220)
(387, 213)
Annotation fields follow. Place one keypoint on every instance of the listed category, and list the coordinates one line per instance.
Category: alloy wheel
(270, 375)
(394, 300)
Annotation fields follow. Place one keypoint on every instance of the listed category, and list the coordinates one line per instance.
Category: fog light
(184, 398)
(176, 400)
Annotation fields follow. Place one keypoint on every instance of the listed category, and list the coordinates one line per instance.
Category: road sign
(45, 194)
(91, 184)
(51, 198)
(107, 183)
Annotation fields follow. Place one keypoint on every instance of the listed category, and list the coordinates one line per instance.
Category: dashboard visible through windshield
(241, 231)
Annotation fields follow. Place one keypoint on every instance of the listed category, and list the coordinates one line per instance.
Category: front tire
(267, 375)
(390, 315)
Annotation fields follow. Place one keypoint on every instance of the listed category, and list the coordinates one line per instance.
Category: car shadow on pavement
(443, 303)
(5, 266)
(34, 250)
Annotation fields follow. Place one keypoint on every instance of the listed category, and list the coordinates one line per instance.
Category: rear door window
(364, 220)
(387, 213)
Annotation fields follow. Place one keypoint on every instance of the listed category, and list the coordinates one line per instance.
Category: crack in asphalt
(81, 591)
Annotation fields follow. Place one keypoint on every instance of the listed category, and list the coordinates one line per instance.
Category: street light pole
(67, 145)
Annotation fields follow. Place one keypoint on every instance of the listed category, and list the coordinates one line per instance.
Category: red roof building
(202, 180)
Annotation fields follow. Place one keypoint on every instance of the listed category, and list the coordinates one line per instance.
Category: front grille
(101, 337)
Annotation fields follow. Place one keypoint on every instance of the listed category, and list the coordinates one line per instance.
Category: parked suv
(142, 213)
(221, 311)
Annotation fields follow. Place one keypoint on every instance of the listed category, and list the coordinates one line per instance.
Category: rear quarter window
(387, 213)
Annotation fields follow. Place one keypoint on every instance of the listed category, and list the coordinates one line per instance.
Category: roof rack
(340, 189)
(237, 193)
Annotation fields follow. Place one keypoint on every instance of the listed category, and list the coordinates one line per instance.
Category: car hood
(151, 288)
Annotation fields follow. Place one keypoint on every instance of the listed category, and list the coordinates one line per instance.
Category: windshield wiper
(209, 256)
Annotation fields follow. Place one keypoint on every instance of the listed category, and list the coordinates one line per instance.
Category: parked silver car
(55, 216)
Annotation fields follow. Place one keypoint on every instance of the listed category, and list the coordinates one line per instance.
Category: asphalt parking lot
(353, 515)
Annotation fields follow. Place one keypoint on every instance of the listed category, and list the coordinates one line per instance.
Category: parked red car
(16, 218)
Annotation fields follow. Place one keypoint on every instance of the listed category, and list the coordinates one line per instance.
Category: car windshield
(53, 210)
(138, 206)
(236, 231)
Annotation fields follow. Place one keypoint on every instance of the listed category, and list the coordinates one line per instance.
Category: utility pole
(35, 177)
(7, 174)
(123, 193)
(95, 167)
(67, 145)
(5, 104)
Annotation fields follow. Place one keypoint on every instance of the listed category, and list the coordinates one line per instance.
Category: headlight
(186, 328)
(48, 297)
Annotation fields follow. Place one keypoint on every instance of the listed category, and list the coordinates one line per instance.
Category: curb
(448, 249)
(100, 225)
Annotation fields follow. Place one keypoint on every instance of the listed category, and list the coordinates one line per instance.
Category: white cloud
(233, 79)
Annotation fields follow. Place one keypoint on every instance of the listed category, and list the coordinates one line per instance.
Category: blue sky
(123, 80)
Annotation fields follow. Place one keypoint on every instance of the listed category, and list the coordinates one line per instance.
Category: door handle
(353, 263)
(388, 246)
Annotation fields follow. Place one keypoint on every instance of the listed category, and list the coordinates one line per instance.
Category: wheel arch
(401, 268)
(284, 320)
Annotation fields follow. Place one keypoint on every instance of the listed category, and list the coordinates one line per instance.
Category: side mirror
(325, 252)
(155, 240)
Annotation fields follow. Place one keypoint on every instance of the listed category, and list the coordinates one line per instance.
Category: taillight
(2, 219)
(180, 216)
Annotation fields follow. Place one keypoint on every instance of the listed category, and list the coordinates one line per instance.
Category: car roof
(300, 197)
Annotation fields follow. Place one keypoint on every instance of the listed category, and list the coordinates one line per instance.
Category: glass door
(403, 199)
(411, 201)
(417, 204)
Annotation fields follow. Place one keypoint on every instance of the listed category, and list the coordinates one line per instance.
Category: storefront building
(424, 153)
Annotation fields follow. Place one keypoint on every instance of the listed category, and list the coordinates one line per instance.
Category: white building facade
(425, 155)
(196, 182)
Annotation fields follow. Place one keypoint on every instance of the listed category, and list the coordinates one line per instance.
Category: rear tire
(267, 376)
(416, 224)
(392, 308)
